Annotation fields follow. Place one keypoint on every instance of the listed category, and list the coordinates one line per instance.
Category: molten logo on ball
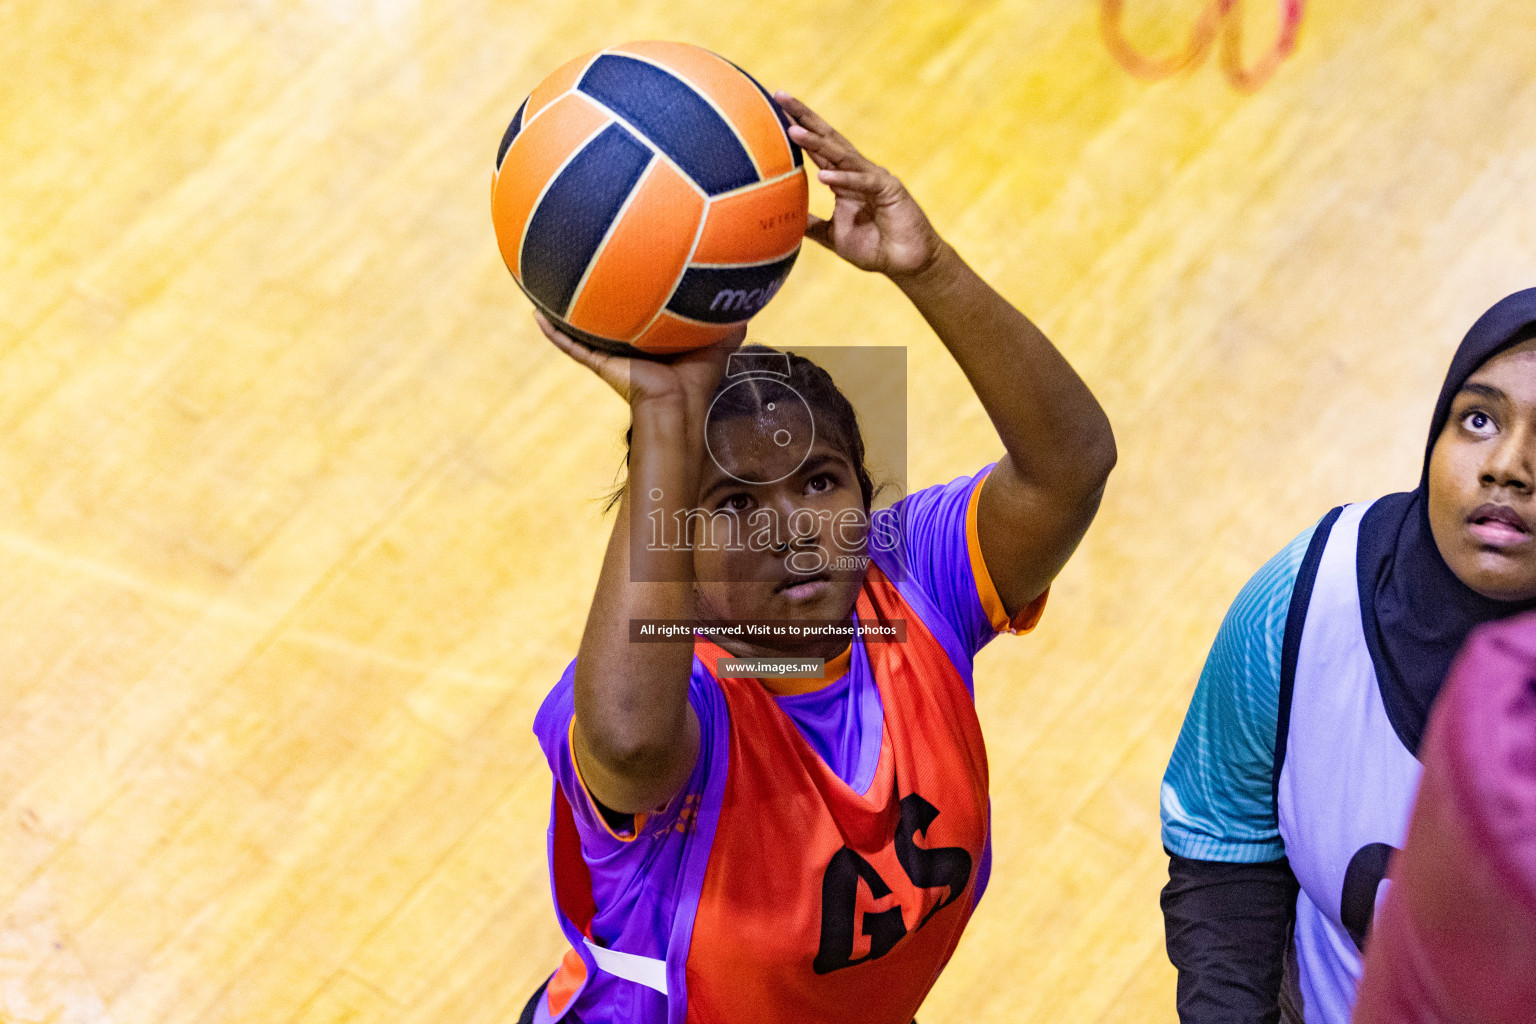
(737, 300)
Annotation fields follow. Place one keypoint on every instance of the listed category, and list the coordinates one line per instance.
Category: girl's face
(1482, 478)
(777, 537)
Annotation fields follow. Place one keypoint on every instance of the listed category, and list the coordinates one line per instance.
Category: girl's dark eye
(821, 483)
(736, 502)
(1479, 422)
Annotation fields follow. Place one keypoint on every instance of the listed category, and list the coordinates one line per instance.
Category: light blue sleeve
(1218, 799)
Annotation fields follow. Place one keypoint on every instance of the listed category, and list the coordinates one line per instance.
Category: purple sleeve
(553, 726)
(933, 528)
(636, 873)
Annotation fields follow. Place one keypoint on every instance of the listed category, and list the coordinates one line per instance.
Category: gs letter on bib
(949, 867)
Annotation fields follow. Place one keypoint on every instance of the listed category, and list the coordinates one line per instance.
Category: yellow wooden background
(299, 517)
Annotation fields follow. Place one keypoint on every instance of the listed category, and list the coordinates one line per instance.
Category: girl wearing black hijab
(1295, 771)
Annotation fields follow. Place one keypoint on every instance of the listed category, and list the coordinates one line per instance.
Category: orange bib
(823, 904)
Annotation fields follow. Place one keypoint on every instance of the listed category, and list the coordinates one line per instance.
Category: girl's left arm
(1037, 504)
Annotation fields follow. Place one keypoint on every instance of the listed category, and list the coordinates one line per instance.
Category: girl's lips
(1497, 533)
(811, 588)
(1498, 526)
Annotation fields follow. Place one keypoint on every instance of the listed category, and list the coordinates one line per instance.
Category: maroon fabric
(1454, 941)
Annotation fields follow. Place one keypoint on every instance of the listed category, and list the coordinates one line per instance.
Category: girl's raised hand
(691, 376)
(876, 224)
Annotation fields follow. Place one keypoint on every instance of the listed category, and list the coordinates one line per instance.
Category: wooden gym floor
(299, 517)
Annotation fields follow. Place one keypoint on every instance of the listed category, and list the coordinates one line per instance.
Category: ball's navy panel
(590, 340)
(594, 341)
(728, 295)
(512, 130)
(572, 218)
(794, 150)
(674, 117)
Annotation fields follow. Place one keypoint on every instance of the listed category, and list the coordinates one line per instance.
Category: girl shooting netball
(759, 849)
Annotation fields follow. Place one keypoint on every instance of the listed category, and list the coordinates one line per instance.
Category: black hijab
(1416, 612)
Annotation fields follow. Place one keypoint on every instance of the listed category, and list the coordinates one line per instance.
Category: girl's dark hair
(747, 395)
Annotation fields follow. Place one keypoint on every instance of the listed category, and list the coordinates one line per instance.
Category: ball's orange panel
(674, 334)
(761, 223)
(535, 156)
(746, 108)
(561, 80)
(635, 271)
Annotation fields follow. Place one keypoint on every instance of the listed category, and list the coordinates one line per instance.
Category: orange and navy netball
(647, 197)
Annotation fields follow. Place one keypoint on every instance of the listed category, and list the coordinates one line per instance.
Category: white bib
(1346, 784)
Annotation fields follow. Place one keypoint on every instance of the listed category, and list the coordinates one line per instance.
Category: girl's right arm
(1226, 927)
(636, 737)
(1231, 893)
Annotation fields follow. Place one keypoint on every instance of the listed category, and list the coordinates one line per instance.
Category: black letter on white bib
(1357, 904)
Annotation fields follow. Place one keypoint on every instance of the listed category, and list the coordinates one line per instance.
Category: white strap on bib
(642, 970)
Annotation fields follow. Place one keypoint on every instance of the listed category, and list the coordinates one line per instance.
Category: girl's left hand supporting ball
(876, 224)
